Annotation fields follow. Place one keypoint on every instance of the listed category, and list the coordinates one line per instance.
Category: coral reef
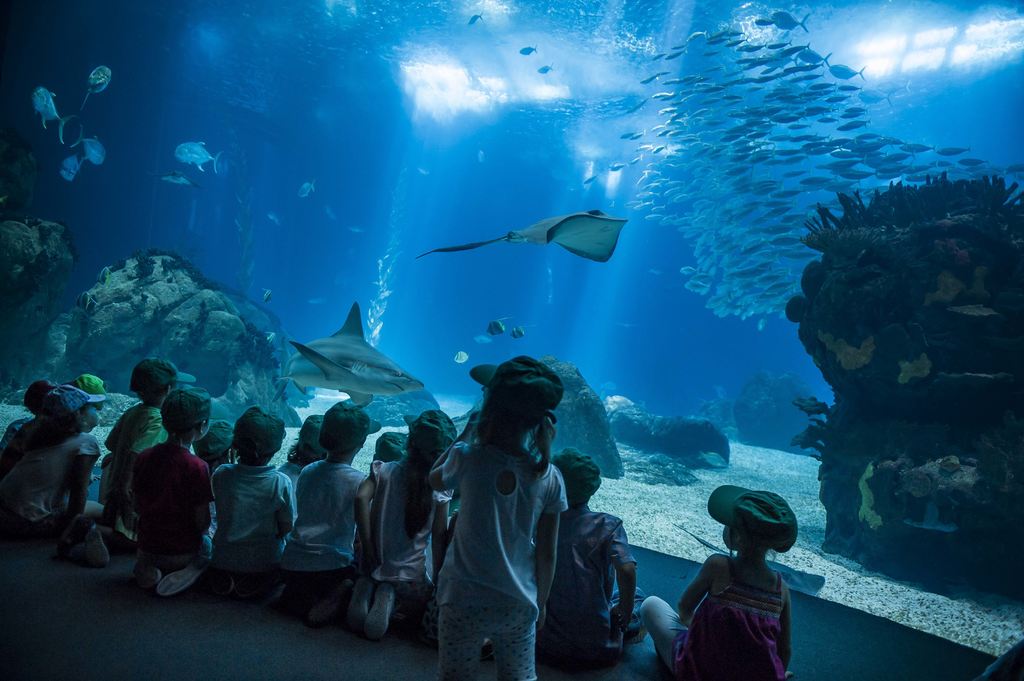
(686, 440)
(915, 317)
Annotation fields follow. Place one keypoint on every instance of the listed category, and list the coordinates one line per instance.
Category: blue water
(325, 90)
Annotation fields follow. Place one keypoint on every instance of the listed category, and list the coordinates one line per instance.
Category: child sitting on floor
(306, 450)
(138, 428)
(318, 559)
(389, 447)
(741, 629)
(172, 491)
(399, 516)
(215, 447)
(588, 617)
(12, 448)
(254, 510)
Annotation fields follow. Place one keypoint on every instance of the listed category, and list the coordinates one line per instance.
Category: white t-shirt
(402, 559)
(37, 486)
(325, 528)
(493, 549)
(251, 500)
(292, 470)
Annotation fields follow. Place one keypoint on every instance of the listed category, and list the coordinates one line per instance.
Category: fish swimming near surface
(518, 332)
(589, 180)
(99, 79)
(496, 327)
(482, 339)
(952, 151)
(307, 188)
(267, 293)
(787, 21)
(42, 102)
(196, 153)
(475, 18)
(545, 69)
(591, 235)
(69, 167)
(461, 357)
(346, 362)
(844, 72)
(527, 51)
(94, 151)
(174, 177)
(272, 216)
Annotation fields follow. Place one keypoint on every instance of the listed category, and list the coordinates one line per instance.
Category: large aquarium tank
(763, 244)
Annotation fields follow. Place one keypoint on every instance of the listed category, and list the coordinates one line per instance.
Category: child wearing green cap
(139, 428)
(742, 627)
(398, 517)
(319, 557)
(502, 553)
(172, 491)
(594, 600)
(254, 510)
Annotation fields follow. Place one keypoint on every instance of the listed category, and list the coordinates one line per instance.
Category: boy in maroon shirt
(172, 490)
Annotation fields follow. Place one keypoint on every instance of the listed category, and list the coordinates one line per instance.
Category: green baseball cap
(185, 408)
(581, 475)
(216, 442)
(259, 432)
(92, 385)
(521, 384)
(431, 431)
(154, 374)
(766, 516)
(346, 426)
(390, 446)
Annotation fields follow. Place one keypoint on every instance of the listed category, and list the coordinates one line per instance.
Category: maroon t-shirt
(169, 483)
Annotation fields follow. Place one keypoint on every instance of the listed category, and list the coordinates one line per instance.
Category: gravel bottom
(985, 622)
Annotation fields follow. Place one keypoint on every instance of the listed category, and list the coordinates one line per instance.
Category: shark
(346, 362)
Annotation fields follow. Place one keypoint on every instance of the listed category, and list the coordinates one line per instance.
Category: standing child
(138, 428)
(318, 559)
(399, 516)
(172, 491)
(389, 447)
(587, 615)
(498, 569)
(254, 510)
(742, 628)
(306, 450)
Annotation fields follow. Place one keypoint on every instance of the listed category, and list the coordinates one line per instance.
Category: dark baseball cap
(35, 394)
(346, 426)
(153, 373)
(184, 409)
(259, 432)
(766, 516)
(521, 383)
(431, 431)
(216, 442)
(390, 446)
(581, 475)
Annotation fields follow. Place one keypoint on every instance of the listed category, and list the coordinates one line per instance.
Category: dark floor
(60, 621)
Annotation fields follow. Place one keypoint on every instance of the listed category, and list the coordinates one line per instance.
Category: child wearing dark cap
(139, 428)
(741, 629)
(306, 450)
(254, 509)
(47, 487)
(13, 446)
(399, 516)
(319, 558)
(215, 447)
(499, 566)
(587, 615)
(389, 447)
(172, 491)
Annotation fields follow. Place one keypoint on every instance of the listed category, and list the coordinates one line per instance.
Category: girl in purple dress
(733, 620)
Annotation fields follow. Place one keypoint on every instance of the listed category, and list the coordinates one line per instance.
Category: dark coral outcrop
(915, 317)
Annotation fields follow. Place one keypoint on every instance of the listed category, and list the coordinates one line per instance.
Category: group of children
(479, 537)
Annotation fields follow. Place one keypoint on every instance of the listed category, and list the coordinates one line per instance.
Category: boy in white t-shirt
(254, 510)
(318, 560)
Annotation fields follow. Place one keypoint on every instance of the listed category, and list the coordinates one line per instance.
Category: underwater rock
(687, 440)
(655, 469)
(582, 421)
(915, 317)
(720, 412)
(390, 410)
(765, 413)
(36, 258)
(158, 304)
(18, 170)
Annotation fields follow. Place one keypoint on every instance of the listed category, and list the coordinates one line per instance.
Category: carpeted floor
(60, 621)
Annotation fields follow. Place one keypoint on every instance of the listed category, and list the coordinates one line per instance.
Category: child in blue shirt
(587, 614)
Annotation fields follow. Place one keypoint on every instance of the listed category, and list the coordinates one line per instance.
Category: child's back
(253, 503)
(324, 530)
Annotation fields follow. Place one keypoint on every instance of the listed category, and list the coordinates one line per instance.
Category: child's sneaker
(180, 580)
(360, 605)
(72, 535)
(380, 614)
(327, 608)
(96, 554)
(147, 576)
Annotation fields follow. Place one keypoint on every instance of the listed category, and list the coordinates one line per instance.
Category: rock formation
(687, 440)
(915, 316)
(765, 414)
(390, 410)
(18, 170)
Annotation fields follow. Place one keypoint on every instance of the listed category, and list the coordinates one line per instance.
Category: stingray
(591, 235)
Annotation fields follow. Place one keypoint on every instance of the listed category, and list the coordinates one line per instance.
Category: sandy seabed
(651, 513)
